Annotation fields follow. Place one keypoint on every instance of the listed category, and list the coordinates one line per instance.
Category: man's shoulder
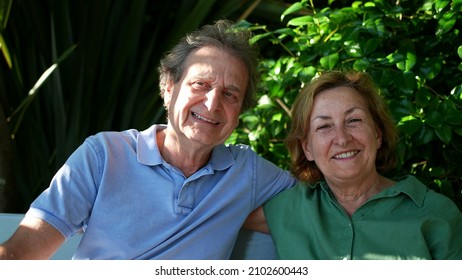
(238, 149)
(130, 136)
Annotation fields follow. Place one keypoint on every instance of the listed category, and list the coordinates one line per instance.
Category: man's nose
(212, 100)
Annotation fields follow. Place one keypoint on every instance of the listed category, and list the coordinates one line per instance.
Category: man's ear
(306, 149)
(168, 93)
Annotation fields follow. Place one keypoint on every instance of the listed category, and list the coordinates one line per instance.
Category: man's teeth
(346, 155)
(204, 119)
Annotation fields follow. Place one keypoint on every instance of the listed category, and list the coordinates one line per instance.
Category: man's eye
(200, 85)
(230, 96)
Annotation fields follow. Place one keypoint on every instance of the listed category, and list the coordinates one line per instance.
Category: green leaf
(458, 130)
(444, 132)
(353, 49)
(251, 121)
(361, 64)
(300, 21)
(276, 117)
(457, 92)
(375, 26)
(329, 62)
(395, 58)
(459, 51)
(425, 135)
(441, 4)
(5, 51)
(446, 23)
(410, 127)
(435, 119)
(232, 139)
(371, 46)
(431, 68)
(406, 82)
(453, 116)
(307, 74)
(293, 9)
(407, 51)
(5, 8)
(402, 107)
(422, 97)
(456, 6)
(259, 37)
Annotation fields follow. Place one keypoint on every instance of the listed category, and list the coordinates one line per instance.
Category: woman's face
(342, 139)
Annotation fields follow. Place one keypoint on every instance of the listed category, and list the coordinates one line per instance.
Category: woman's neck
(352, 196)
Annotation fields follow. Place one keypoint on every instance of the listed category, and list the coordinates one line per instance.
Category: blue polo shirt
(131, 204)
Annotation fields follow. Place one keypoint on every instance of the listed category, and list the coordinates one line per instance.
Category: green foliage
(413, 50)
(101, 56)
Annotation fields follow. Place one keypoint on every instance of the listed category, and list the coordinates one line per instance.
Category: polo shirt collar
(146, 146)
(408, 185)
(148, 152)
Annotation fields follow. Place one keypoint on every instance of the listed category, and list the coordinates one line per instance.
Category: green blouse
(405, 221)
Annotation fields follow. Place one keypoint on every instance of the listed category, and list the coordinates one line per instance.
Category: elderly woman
(341, 142)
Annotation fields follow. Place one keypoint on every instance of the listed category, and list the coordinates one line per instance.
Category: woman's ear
(378, 137)
(306, 149)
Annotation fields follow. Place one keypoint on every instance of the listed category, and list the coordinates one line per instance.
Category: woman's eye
(323, 127)
(354, 120)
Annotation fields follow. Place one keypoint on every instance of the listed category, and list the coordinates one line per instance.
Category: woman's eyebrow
(321, 117)
(347, 112)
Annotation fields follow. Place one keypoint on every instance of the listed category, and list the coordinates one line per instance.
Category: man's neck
(186, 158)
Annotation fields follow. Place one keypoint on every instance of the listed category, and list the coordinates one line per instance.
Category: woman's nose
(342, 136)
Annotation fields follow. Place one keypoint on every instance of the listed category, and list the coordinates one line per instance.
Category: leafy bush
(413, 50)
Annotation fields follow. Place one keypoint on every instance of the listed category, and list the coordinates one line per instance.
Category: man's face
(204, 106)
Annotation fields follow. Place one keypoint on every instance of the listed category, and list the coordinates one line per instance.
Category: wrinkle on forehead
(217, 67)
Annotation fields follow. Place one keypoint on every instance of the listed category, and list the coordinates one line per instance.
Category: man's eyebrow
(233, 88)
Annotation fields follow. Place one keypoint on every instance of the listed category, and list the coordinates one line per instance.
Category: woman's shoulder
(427, 197)
(294, 195)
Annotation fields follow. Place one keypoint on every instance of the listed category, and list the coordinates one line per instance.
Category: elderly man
(173, 191)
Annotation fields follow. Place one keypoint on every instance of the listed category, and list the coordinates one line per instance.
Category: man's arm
(256, 221)
(33, 240)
